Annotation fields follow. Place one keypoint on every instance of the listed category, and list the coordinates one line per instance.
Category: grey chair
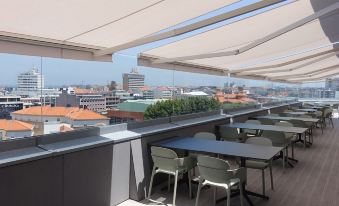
(261, 165)
(267, 121)
(252, 132)
(231, 134)
(309, 124)
(319, 115)
(202, 135)
(300, 123)
(328, 114)
(167, 161)
(278, 140)
(205, 135)
(216, 172)
(290, 137)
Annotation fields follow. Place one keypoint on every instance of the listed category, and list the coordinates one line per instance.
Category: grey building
(67, 98)
(133, 80)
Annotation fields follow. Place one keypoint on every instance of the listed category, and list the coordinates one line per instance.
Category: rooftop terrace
(313, 181)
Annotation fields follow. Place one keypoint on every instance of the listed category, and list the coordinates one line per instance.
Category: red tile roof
(15, 125)
(73, 113)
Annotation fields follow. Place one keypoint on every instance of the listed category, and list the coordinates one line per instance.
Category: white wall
(16, 134)
(30, 118)
(87, 122)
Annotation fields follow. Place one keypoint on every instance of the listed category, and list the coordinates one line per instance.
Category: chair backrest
(205, 135)
(213, 169)
(318, 114)
(286, 124)
(328, 112)
(299, 123)
(305, 116)
(164, 158)
(278, 138)
(274, 115)
(228, 132)
(259, 141)
(253, 121)
(267, 121)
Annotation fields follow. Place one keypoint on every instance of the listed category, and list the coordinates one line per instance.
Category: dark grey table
(297, 130)
(313, 107)
(313, 120)
(306, 110)
(232, 149)
(296, 113)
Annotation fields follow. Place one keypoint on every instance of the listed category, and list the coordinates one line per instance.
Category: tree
(112, 86)
(189, 105)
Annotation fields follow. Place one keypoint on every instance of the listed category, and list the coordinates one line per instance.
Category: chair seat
(231, 183)
(256, 164)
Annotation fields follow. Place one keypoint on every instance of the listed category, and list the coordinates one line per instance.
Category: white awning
(293, 28)
(81, 29)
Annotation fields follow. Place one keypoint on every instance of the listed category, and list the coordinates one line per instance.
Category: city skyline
(57, 73)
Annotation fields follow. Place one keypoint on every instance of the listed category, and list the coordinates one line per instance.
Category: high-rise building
(332, 84)
(133, 80)
(30, 83)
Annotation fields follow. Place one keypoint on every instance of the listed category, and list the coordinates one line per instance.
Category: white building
(30, 83)
(55, 117)
(15, 129)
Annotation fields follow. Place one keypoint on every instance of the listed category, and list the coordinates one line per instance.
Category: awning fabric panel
(315, 34)
(97, 24)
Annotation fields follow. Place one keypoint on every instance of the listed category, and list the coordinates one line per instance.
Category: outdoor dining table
(297, 130)
(314, 107)
(307, 110)
(231, 149)
(312, 120)
(296, 113)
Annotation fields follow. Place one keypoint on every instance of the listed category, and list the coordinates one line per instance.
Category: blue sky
(66, 72)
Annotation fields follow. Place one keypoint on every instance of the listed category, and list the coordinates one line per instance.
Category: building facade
(133, 80)
(9, 104)
(332, 84)
(30, 83)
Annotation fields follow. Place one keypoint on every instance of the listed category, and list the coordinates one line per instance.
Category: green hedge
(175, 107)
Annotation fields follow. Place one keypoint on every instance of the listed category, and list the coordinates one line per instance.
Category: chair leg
(271, 175)
(169, 184)
(189, 183)
(198, 193)
(241, 193)
(332, 122)
(228, 191)
(263, 181)
(214, 195)
(292, 148)
(284, 159)
(175, 187)
(151, 183)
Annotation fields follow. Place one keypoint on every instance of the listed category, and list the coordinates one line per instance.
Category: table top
(314, 120)
(307, 110)
(313, 107)
(232, 149)
(298, 130)
(296, 113)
